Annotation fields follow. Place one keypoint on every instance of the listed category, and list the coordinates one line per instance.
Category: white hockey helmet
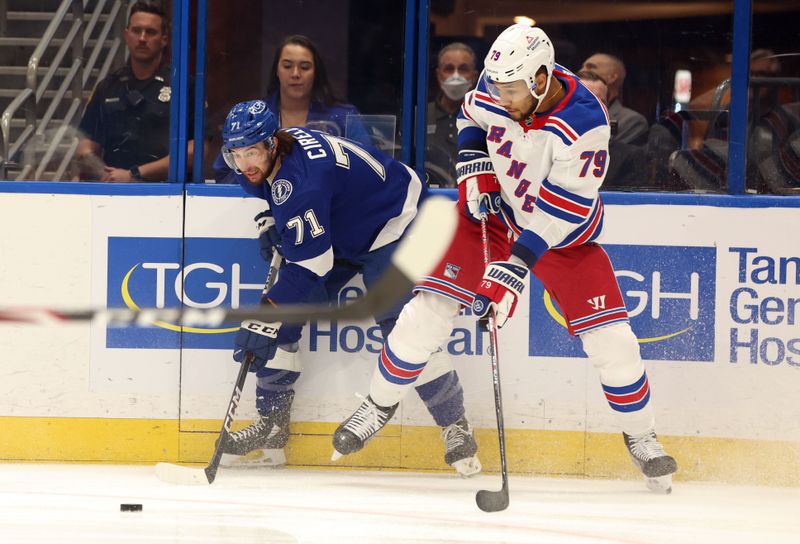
(517, 54)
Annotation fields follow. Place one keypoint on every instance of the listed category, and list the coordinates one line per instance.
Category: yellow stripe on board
(569, 453)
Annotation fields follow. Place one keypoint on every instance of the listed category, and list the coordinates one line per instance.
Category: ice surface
(67, 504)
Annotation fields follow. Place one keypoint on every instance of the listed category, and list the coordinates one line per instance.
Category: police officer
(126, 123)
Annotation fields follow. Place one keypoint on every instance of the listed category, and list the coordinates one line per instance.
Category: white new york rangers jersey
(550, 166)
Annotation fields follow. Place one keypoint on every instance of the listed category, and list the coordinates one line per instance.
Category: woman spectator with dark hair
(300, 92)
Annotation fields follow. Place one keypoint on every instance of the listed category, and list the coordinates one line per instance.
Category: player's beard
(521, 117)
(258, 175)
(255, 176)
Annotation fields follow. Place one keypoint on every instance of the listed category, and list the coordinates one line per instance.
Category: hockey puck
(130, 507)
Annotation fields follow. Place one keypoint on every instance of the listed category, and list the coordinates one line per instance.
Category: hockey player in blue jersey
(336, 209)
(533, 149)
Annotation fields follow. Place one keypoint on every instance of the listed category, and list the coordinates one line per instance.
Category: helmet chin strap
(541, 97)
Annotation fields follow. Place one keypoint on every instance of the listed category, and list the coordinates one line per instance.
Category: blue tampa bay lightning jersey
(333, 198)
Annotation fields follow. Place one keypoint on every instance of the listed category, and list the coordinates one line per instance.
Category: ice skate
(461, 448)
(649, 456)
(357, 429)
(261, 443)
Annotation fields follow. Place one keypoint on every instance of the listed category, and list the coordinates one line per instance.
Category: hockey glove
(501, 286)
(477, 183)
(268, 238)
(258, 338)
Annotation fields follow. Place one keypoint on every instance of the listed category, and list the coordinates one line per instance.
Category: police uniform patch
(281, 191)
(165, 93)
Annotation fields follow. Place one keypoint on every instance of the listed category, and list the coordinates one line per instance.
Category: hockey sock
(392, 377)
(444, 398)
(274, 389)
(631, 405)
(423, 326)
(614, 351)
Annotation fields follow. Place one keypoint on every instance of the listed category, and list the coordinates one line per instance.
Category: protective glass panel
(345, 83)
(657, 66)
(71, 109)
(773, 144)
(331, 66)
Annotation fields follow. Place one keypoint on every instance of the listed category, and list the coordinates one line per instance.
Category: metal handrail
(27, 95)
(90, 24)
(30, 94)
(51, 70)
(113, 50)
(30, 98)
(44, 43)
(60, 93)
(56, 141)
(111, 21)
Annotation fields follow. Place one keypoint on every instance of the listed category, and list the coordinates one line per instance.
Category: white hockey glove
(477, 184)
(501, 286)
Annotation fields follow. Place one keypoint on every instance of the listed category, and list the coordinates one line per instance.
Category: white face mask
(456, 86)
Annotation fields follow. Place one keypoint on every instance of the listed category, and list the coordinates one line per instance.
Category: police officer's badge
(281, 191)
(165, 93)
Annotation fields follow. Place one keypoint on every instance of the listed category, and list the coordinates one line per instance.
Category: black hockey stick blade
(419, 251)
(492, 501)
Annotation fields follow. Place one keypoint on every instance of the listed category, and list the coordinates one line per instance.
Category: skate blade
(660, 484)
(256, 458)
(468, 466)
(336, 456)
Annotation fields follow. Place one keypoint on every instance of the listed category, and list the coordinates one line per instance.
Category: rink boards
(712, 291)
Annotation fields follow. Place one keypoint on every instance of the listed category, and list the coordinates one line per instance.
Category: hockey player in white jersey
(533, 149)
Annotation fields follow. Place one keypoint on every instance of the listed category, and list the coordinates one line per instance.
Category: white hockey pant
(422, 329)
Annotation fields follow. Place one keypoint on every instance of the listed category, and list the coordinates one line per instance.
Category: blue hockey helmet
(248, 123)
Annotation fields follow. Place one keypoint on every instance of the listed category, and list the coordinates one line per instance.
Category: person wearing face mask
(456, 74)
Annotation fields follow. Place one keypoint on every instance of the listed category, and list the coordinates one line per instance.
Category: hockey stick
(494, 501)
(179, 474)
(419, 251)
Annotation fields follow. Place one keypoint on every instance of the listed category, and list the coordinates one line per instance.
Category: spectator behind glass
(631, 126)
(627, 166)
(300, 93)
(455, 74)
(126, 122)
